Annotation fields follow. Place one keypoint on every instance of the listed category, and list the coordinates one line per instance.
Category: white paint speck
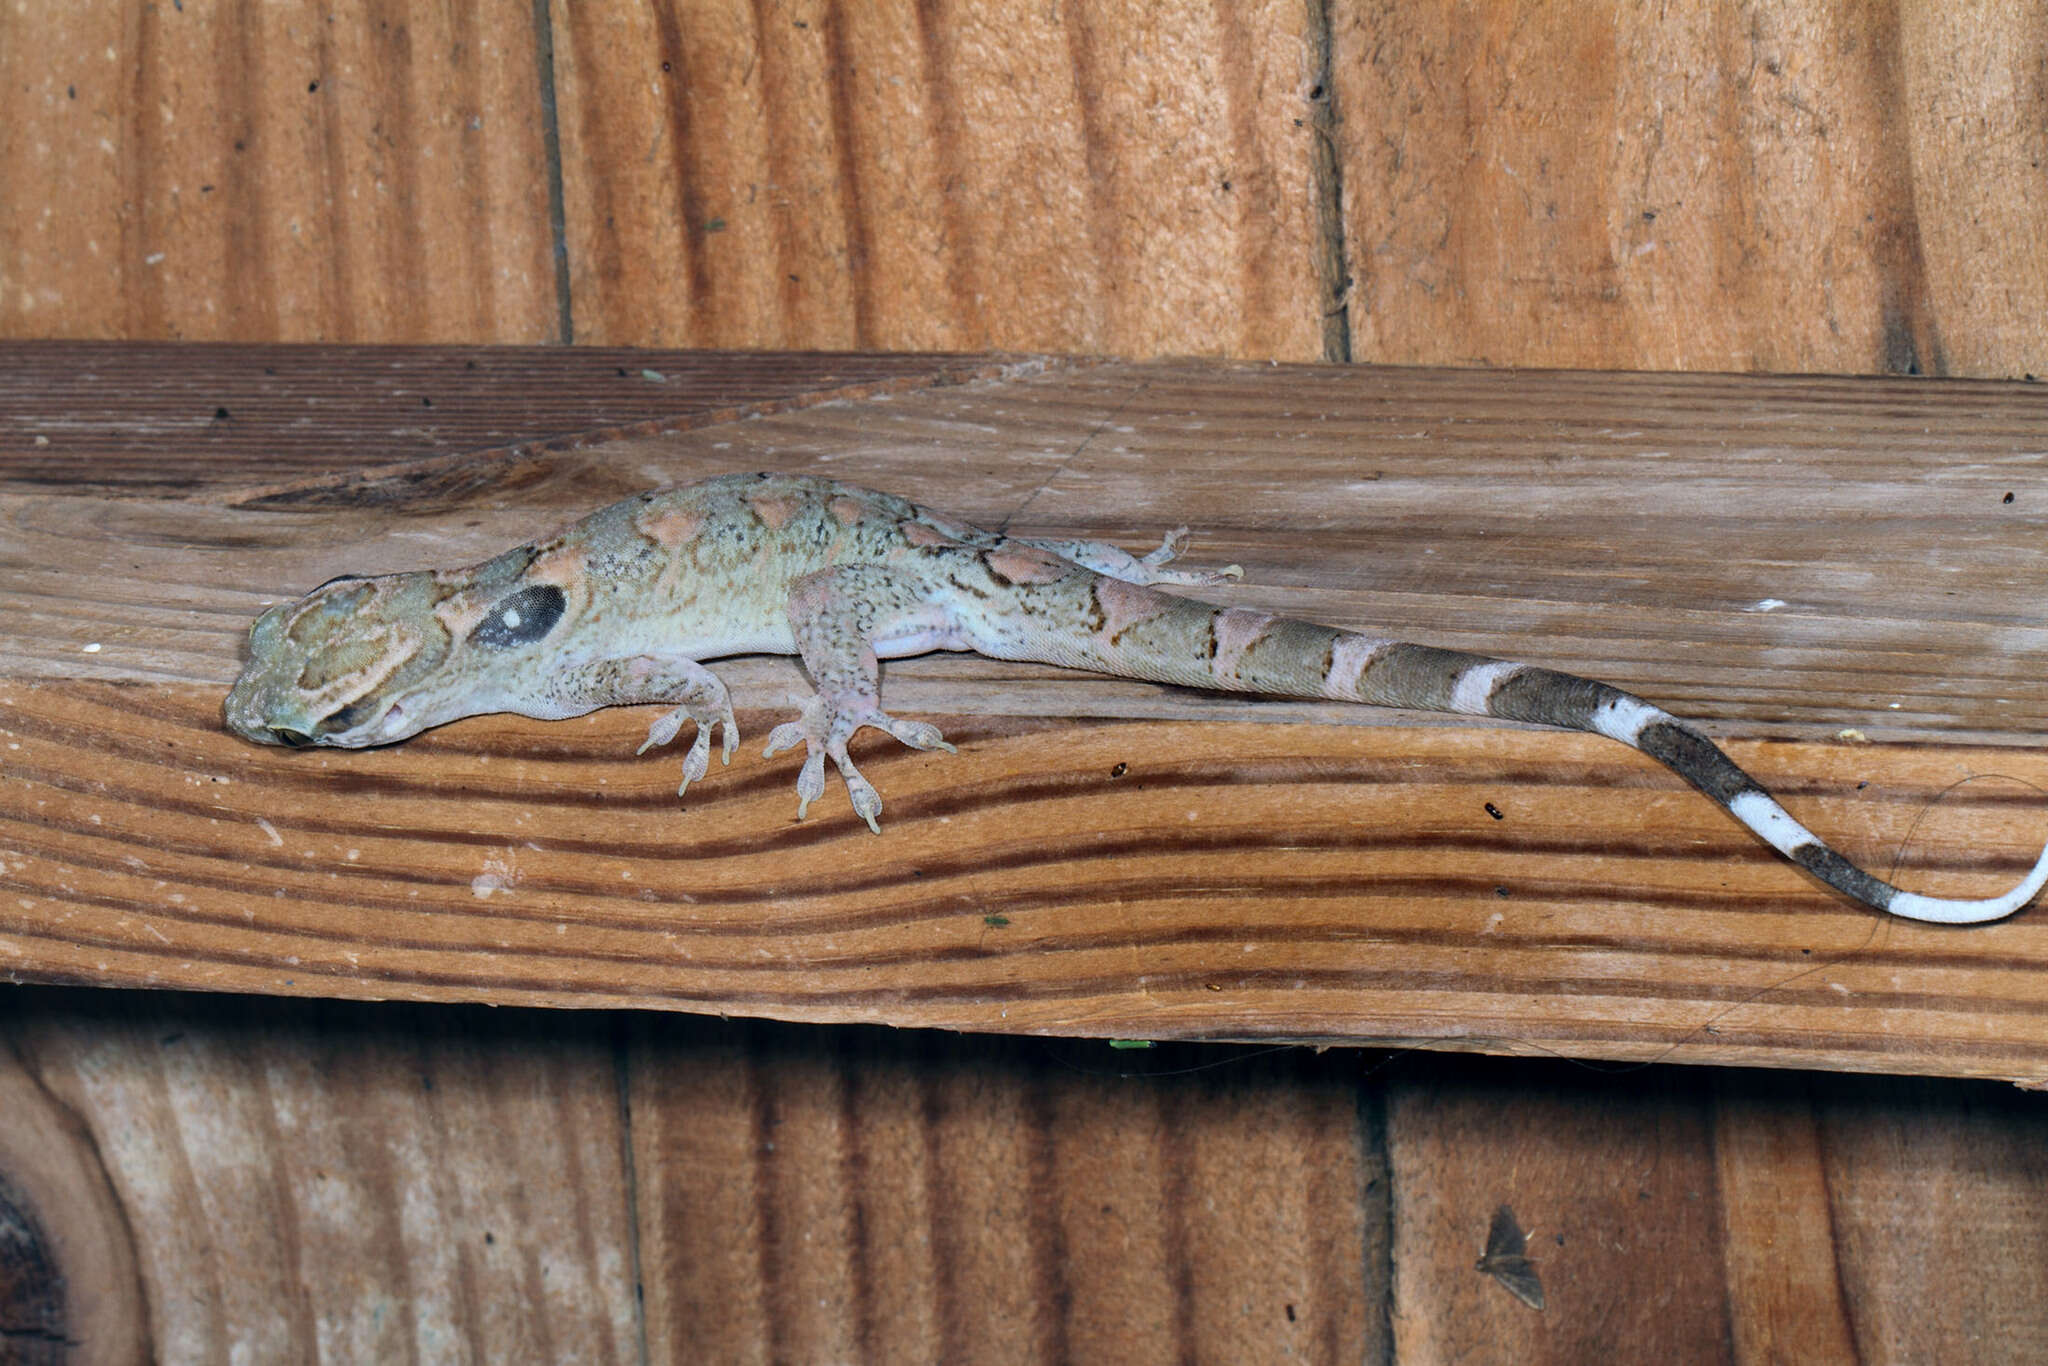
(1765, 605)
(93, 648)
(498, 876)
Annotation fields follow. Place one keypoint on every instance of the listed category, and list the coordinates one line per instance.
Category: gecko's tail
(1524, 692)
(1140, 633)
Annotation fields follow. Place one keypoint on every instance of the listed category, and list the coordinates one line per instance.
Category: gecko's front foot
(708, 715)
(823, 730)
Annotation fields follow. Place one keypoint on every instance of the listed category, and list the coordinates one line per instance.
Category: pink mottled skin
(624, 607)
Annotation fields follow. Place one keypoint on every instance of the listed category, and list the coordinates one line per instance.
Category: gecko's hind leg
(845, 621)
(1117, 563)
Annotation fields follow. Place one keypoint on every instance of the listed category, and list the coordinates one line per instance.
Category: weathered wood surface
(302, 1180)
(297, 172)
(304, 422)
(1006, 175)
(1134, 875)
(1792, 187)
(277, 1182)
(1799, 187)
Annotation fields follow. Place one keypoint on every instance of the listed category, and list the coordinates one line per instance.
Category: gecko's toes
(788, 735)
(867, 803)
(916, 734)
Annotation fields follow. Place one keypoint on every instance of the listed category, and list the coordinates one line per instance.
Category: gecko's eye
(284, 735)
(521, 618)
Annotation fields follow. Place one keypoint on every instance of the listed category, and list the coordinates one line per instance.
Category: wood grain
(1211, 877)
(295, 173)
(1795, 188)
(1801, 187)
(934, 175)
(274, 1173)
(69, 1289)
(1755, 1217)
(292, 427)
(854, 1196)
(1325, 882)
(1772, 1174)
(1611, 1178)
(1935, 1194)
(301, 1182)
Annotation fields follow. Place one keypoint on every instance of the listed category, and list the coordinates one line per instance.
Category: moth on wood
(1506, 1259)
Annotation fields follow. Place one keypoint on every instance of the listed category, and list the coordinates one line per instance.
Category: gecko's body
(625, 605)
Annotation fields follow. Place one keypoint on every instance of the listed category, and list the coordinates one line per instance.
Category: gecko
(625, 606)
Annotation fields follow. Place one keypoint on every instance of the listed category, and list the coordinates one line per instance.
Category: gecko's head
(366, 661)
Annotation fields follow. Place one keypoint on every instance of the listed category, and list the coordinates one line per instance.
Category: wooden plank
(214, 1172)
(289, 1182)
(1971, 114)
(1764, 1217)
(940, 176)
(1343, 879)
(1781, 1256)
(1611, 1179)
(1783, 191)
(1327, 882)
(69, 1286)
(328, 424)
(1934, 1195)
(292, 173)
(1791, 189)
(809, 1195)
(208, 1171)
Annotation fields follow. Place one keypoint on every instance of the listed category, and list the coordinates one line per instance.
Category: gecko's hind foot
(698, 761)
(823, 732)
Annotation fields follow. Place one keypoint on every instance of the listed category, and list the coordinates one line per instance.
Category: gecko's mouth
(326, 730)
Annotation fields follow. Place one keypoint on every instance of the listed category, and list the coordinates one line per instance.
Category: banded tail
(1146, 634)
(1524, 692)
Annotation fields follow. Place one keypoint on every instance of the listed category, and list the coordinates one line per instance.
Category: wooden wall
(1810, 186)
(469, 1185)
(1814, 185)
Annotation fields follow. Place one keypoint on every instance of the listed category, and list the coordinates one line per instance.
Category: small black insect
(1494, 812)
(1506, 1259)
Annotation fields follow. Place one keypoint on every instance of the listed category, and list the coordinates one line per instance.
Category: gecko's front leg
(846, 620)
(696, 693)
(700, 696)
